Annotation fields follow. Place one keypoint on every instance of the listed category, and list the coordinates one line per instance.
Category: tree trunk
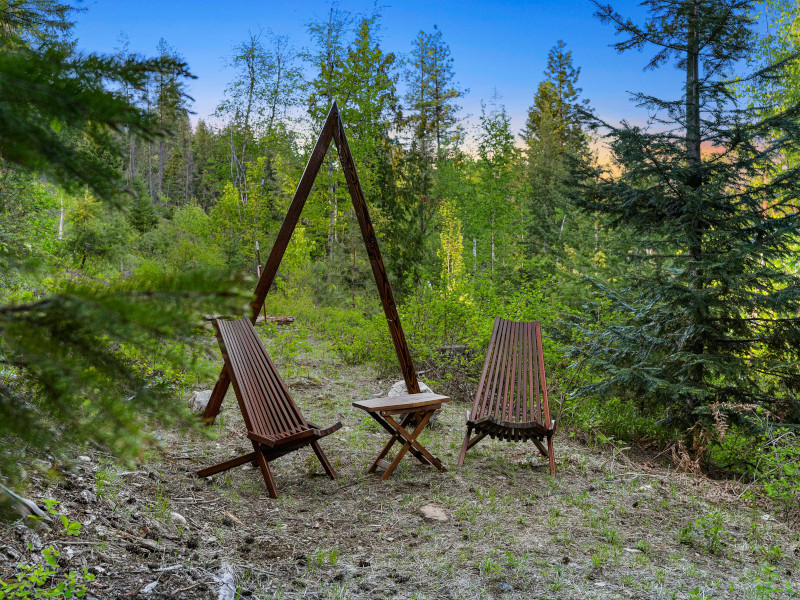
(492, 230)
(334, 209)
(131, 158)
(474, 256)
(696, 345)
(162, 151)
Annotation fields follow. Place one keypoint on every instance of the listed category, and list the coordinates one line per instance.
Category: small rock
(504, 586)
(28, 537)
(84, 458)
(633, 550)
(431, 512)
(10, 553)
(199, 401)
(87, 497)
(400, 389)
(178, 519)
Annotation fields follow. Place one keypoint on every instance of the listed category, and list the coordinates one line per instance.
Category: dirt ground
(603, 527)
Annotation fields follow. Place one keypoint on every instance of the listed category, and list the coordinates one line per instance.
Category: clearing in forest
(498, 527)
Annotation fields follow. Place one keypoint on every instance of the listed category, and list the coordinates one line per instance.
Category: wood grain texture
(332, 129)
(401, 404)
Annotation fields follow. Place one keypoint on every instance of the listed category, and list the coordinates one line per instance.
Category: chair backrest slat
(267, 405)
(236, 354)
(494, 358)
(540, 350)
(512, 386)
(269, 385)
(261, 388)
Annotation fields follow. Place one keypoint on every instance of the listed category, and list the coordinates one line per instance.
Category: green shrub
(46, 580)
(779, 469)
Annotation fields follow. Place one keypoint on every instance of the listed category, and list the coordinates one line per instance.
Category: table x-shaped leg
(410, 442)
(395, 436)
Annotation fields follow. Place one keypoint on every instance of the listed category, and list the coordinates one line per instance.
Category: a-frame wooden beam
(332, 129)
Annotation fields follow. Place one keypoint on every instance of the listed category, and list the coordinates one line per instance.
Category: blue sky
(500, 45)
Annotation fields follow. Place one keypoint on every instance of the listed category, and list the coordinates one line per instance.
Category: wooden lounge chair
(511, 400)
(274, 424)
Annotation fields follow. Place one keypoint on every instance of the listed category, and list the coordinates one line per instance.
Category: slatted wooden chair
(511, 400)
(275, 425)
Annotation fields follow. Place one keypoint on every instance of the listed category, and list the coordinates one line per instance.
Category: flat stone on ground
(431, 512)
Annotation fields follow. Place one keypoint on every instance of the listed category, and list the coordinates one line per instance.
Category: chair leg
(464, 447)
(264, 466)
(538, 443)
(551, 455)
(228, 464)
(477, 439)
(324, 460)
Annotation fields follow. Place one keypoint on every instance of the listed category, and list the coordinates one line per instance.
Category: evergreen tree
(710, 313)
(209, 164)
(431, 95)
(429, 119)
(330, 38)
(67, 346)
(368, 104)
(142, 216)
(556, 135)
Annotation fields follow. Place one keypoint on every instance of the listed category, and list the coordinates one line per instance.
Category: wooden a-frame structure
(332, 129)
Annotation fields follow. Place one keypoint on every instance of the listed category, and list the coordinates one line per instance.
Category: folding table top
(404, 403)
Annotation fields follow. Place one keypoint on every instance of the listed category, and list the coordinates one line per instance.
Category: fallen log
(280, 320)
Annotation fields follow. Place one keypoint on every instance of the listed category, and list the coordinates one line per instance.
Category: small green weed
(106, 484)
(556, 582)
(159, 507)
(489, 567)
(611, 535)
(769, 585)
(711, 527)
(773, 554)
(44, 580)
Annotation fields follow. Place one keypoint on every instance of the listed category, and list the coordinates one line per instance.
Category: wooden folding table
(417, 408)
